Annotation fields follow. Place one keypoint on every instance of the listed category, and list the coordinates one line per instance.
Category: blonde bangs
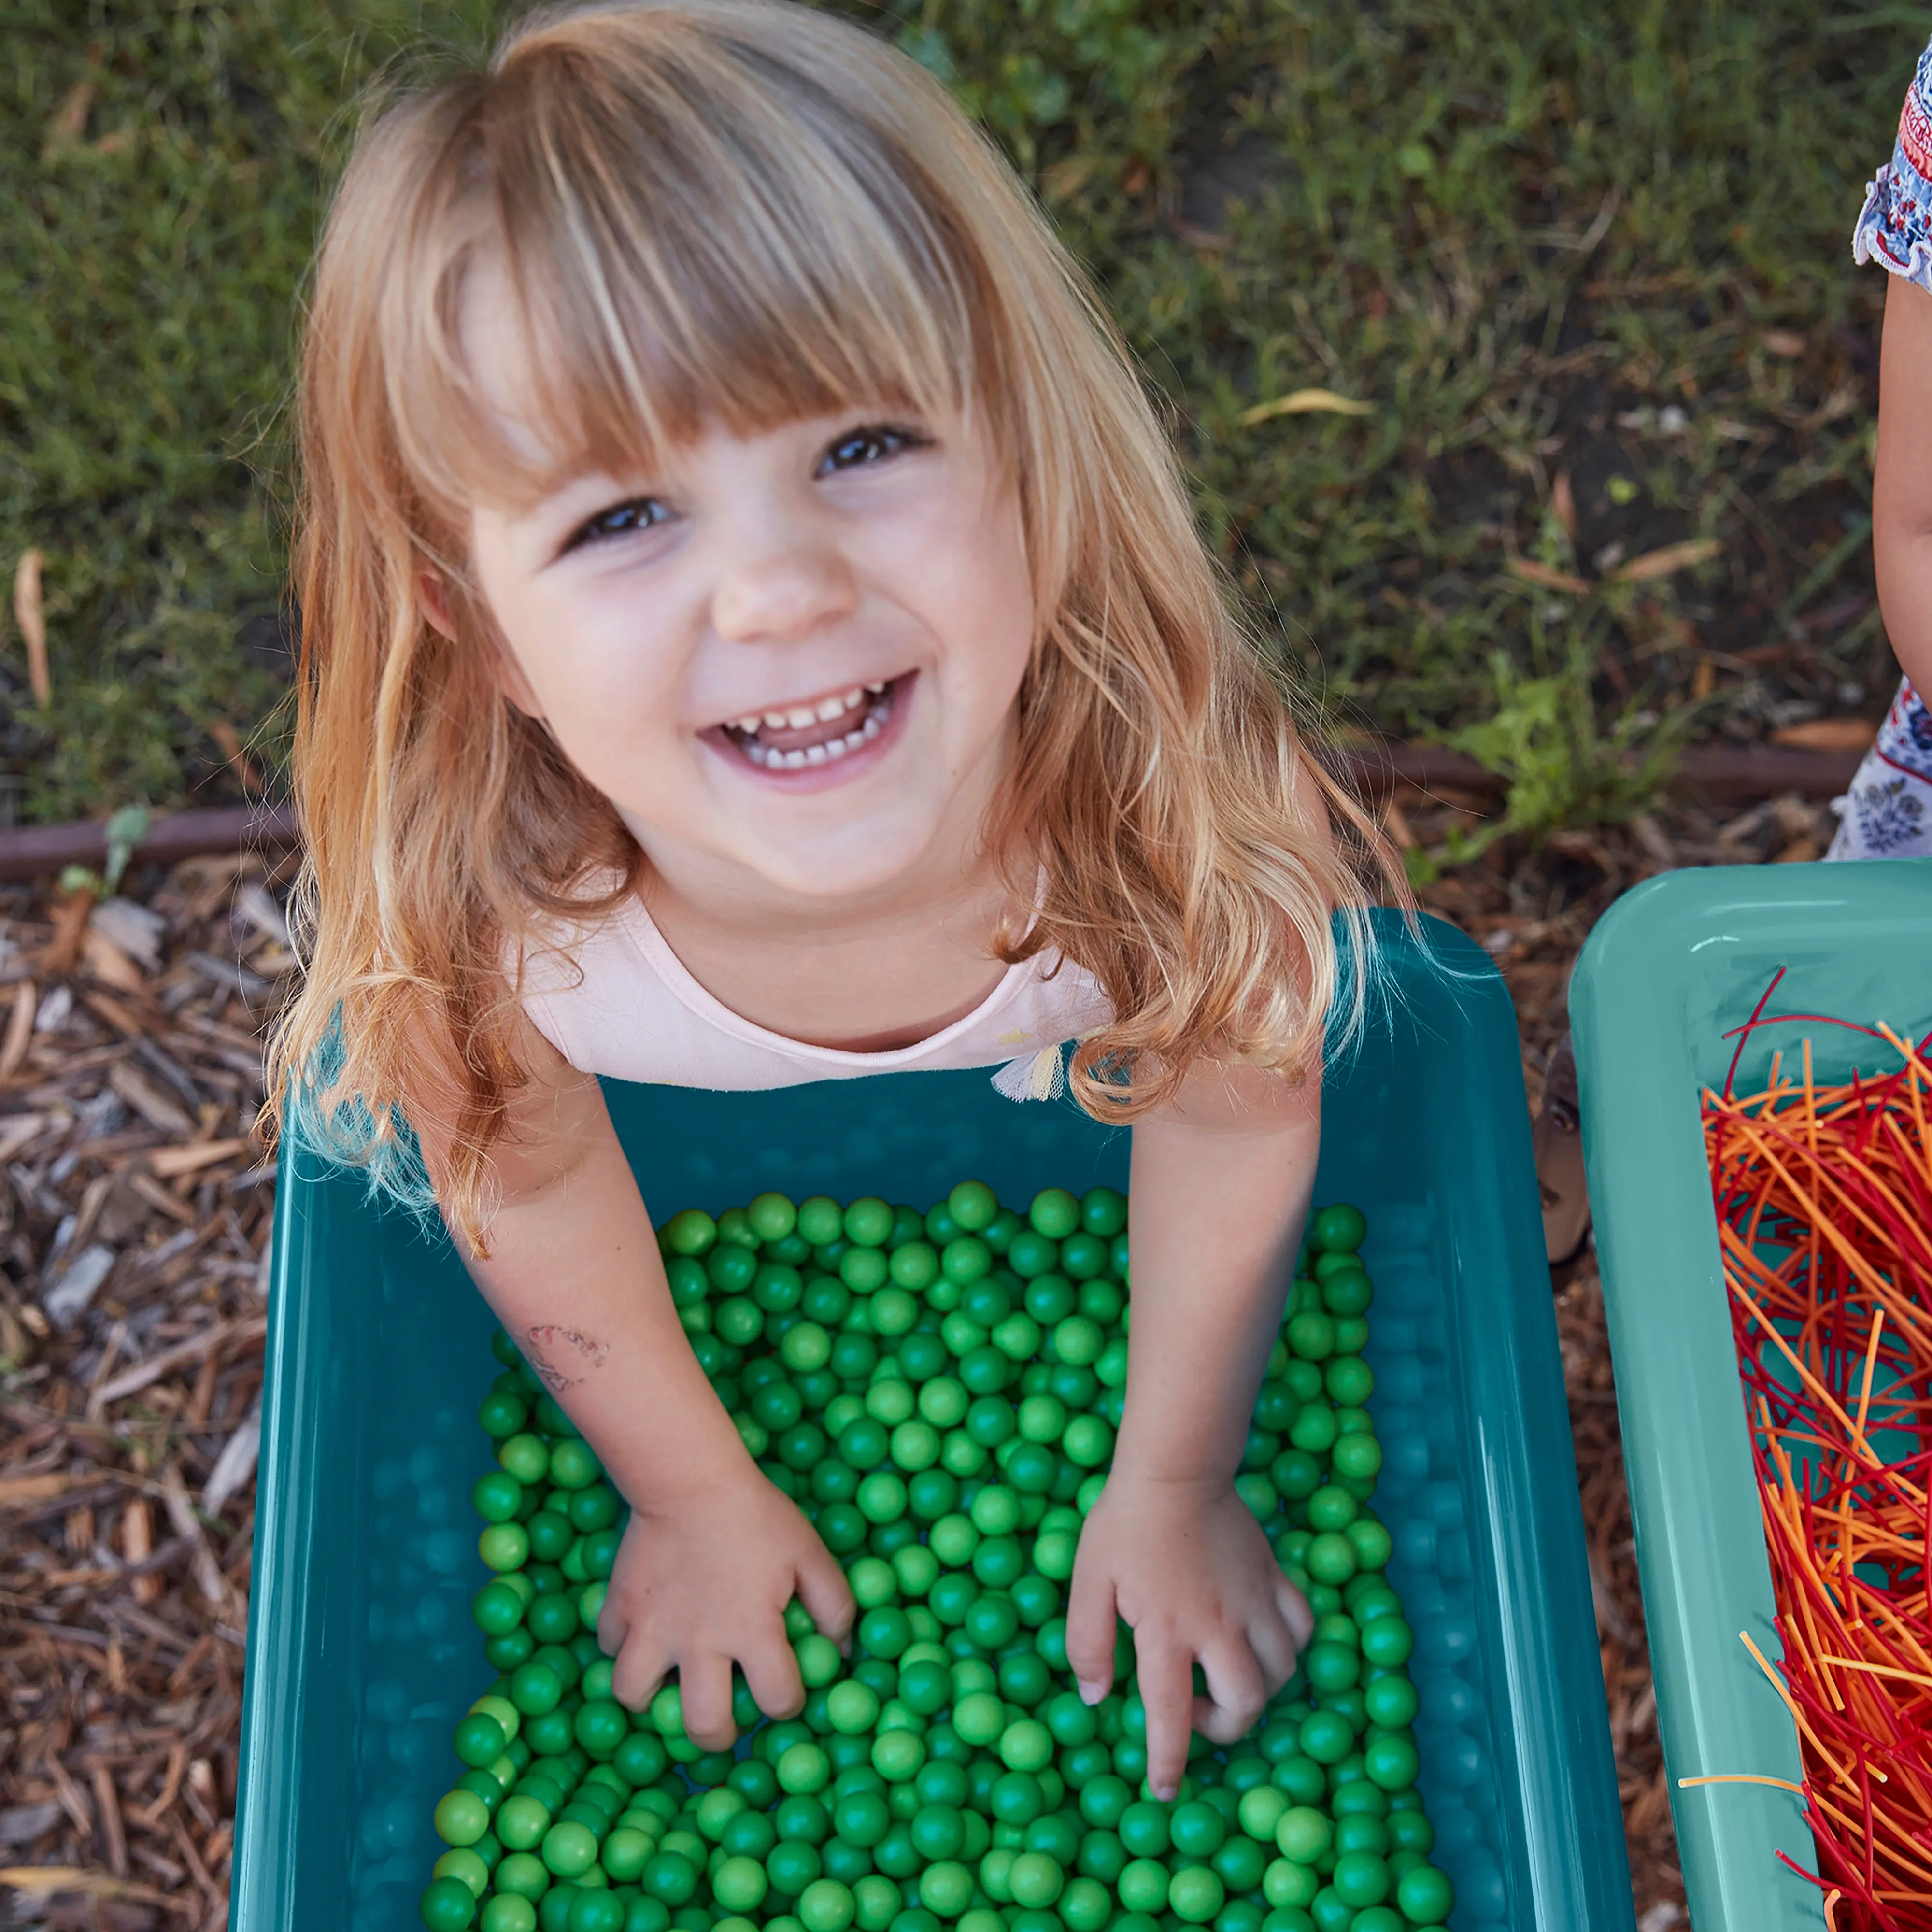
(693, 231)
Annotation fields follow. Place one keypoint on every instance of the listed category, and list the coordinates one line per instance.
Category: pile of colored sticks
(1824, 1201)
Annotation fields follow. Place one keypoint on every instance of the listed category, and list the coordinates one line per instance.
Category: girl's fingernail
(1091, 1690)
(1167, 1793)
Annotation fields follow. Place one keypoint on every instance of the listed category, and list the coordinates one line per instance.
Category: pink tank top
(637, 1014)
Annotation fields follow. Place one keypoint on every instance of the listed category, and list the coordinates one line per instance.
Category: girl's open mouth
(809, 738)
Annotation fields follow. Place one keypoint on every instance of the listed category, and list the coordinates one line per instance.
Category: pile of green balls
(939, 1393)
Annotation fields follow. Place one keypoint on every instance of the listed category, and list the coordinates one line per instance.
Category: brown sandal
(1559, 1144)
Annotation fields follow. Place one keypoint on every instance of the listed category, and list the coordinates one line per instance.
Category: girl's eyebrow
(584, 495)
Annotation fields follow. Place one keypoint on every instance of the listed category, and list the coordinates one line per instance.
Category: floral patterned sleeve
(1886, 811)
(1895, 225)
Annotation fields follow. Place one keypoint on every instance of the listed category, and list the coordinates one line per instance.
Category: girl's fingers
(1275, 1650)
(1091, 1617)
(613, 1626)
(1236, 1692)
(705, 1683)
(1222, 1726)
(1301, 1617)
(1166, 1674)
(823, 1591)
(639, 1670)
(771, 1675)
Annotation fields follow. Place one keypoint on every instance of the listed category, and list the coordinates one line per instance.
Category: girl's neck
(864, 975)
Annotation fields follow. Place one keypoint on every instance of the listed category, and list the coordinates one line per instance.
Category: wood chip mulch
(134, 1216)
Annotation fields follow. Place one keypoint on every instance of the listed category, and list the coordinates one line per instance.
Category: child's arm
(714, 1552)
(1902, 485)
(1221, 1186)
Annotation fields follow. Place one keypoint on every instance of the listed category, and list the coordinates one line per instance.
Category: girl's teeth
(829, 753)
(800, 715)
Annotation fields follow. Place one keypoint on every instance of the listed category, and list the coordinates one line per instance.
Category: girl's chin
(842, 844)
(877, 860)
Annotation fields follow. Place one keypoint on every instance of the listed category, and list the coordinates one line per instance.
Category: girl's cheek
(604, 663)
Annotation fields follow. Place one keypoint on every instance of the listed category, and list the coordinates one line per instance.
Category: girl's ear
(433, 590)
(434, 593)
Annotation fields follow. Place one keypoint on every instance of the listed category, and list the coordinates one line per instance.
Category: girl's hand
(701, 1583)
(1186, 1565)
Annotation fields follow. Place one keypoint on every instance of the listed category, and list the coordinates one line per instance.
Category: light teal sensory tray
(1672, 968)
(361, 1654)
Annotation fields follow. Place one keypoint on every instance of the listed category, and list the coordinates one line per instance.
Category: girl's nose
(782, 594)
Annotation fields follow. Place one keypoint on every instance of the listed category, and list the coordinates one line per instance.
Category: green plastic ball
(1198, 1830)
(447, 1905)
(501, 1413)
(1036, 1880)
(569, 1849)
(459, 1861)
(804, 1769)
(973, 1206)
(739, 1884)
(1425, 1895)
(1326, 1737)
(669, 1877)
(945, 1887)
(1196, 1894)
(1143, 1886)
(1055, 1214)
(1361, 1879)
(1290, 1887)
(480, 1739)
(462, 1818)
(504, 1546)
(1338, 1229)
(1391, 1761)
(1391, 1702)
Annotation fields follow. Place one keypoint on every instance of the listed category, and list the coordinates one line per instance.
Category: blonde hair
(747, 211)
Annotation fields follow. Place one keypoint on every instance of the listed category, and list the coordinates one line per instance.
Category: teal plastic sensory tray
(361, 1654)
(1674, 968)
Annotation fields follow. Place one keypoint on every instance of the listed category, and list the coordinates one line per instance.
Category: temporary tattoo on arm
(548, 1343)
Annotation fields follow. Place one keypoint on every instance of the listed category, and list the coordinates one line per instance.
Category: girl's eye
(640, 513)
(870, 443)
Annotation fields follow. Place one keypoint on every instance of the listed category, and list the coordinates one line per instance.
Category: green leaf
(126, 829)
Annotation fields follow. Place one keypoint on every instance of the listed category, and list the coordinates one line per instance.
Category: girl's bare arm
(714, 1552)
(1221, 1186)
(1902, 483)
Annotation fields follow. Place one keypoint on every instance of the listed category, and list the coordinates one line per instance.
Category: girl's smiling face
(790, 658)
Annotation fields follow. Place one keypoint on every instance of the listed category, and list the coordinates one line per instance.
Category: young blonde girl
(753, 632)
